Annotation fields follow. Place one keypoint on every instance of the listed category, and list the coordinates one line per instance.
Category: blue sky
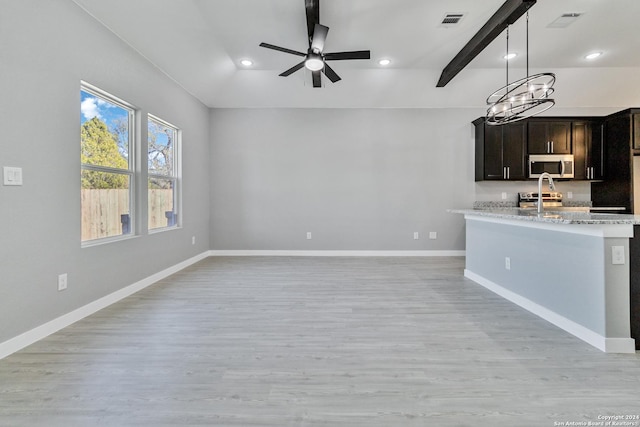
(92, 106)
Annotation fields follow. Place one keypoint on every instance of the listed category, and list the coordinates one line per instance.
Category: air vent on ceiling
(564, 20)
(452, 19)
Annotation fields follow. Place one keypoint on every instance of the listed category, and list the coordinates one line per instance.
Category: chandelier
(522, 98)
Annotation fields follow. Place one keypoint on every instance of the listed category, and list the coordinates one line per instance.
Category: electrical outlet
(193, 240)
(570, 194)
(617, 255)
(504, 195)
(416, 235)
(308, 235)
(62, 282)
(433, 235)
(507, 263)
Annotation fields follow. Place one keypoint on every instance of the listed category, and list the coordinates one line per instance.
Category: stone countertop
(550, 216)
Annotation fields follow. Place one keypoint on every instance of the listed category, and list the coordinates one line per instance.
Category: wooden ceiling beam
(508, 13)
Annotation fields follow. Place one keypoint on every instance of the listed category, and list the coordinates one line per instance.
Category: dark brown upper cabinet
(588, 149)
(500, 151)
(549, 136)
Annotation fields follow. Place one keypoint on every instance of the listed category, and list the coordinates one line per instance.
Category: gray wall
(565, 272)
(358, 179)
(47, 48)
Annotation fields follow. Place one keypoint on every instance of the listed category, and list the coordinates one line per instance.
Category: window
(163, 174)
(107, 165)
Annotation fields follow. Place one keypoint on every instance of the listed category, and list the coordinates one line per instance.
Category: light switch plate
(617, 255)
(12, 175)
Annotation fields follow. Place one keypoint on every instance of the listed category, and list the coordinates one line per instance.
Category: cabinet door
(560, 136)
(588, 150)
(636, 131)
(493, 166)
(513, 148)
(595, 151)
(538, 138)
(581, 133)
(549, 137)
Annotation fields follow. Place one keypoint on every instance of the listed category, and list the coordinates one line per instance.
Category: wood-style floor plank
(279, 341)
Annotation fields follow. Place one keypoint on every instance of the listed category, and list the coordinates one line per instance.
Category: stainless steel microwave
(557, 165)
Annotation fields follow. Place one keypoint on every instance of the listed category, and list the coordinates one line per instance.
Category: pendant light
(522, 98)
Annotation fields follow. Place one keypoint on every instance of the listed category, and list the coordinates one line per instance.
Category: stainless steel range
(552, 199)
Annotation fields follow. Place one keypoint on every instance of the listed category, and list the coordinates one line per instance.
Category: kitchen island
(570, 268)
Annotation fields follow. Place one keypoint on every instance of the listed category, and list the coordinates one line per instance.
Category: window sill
(107, 240)
(164, 229)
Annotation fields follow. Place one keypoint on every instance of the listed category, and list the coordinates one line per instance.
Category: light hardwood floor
(315, 342)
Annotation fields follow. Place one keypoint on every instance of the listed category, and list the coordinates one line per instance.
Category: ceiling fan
(315, 58)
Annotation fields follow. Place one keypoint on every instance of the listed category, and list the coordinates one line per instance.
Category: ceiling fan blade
(292, 69)
(317, 82)
(282, 49)
(312, 8)
(356, 54)
(332, 75)
(319, 37)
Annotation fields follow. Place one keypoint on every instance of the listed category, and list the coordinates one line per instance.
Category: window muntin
(107, 166)
(163, 176)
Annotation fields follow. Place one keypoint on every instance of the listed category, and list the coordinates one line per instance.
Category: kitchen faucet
(552, 187)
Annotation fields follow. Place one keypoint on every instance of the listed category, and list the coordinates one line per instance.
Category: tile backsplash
(491, 191)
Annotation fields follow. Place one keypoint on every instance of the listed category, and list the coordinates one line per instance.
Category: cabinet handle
(588, 173)
(548, 146)
(508, 172)
(552, 150)
(505, 172)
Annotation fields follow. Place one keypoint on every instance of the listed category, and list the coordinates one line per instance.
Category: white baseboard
(42, 331)
(608, 345)
(335, 253)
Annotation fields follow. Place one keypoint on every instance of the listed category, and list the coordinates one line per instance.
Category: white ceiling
(199, 44)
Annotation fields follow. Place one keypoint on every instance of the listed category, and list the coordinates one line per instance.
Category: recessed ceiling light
(384, 62)
(593, 55)
(510, 56)
(246, 62)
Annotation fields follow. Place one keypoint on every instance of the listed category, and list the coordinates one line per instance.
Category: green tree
(100, 147)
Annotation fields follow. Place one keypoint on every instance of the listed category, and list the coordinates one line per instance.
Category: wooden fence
(102, 211)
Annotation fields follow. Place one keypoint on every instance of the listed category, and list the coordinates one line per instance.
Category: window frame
(131, 170)
(176, 177)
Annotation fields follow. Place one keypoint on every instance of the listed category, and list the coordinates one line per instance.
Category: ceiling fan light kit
(315, 58)
(314, 62)
(522, 98)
